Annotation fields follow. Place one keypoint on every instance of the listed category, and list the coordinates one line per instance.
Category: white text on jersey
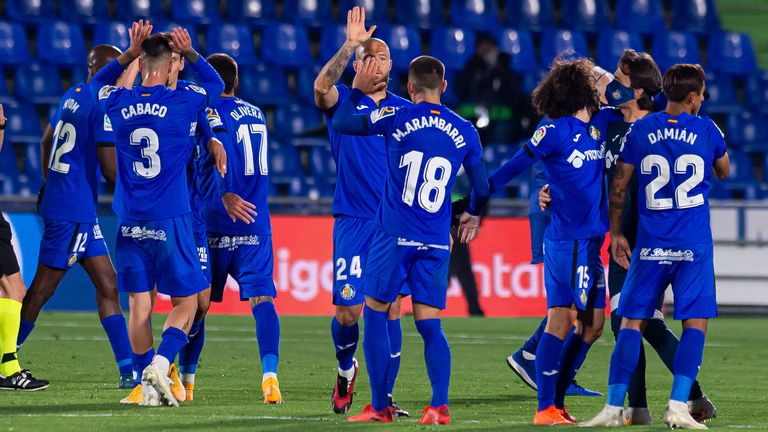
(673, 134)
(243, 111)
(144, 109)
(434, 122)
(71, 104)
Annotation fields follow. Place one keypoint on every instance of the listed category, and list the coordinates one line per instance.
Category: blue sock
(395, 345)
(547, 368)
(437, 354)
(189, 356)
(623, 363)
(572, 357)
(345, 341)
(117, 333)
(25, 328)
(267, 335)
(173, 340)
(376, 348)
(687, 361)
(533, 342)
(139, 362)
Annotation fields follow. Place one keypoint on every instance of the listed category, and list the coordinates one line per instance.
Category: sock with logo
(687, 362)
(623, 362)
(395, 345)
(572, 357)
(139, 362)
(547, 368)
(345, 341)
(437, 354)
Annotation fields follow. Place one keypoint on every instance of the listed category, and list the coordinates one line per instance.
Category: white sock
(348, 374)
(188, 378)
(268, 375)
(678, 406)
(161, 363)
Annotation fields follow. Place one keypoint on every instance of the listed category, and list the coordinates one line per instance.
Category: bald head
(372, 47)
(99, 56)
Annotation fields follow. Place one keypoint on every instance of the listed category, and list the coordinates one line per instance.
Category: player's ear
(181, 62)
(639, 93)
(141, 65)
(354, 65)
(237, 83)
(445, 86)
(410, 87)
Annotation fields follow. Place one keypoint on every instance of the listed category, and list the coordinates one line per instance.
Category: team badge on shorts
(583, 296)
(347, 292)
(72, 259)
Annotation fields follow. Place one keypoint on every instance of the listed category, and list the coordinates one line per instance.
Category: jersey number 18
(436, 174)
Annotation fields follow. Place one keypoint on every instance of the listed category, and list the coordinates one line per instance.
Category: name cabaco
(431, 122)
(672, 134)
(144, 109)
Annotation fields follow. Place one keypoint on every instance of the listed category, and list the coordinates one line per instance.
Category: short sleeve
(629, 147)
(544, 140)
(382, 120)
(108, 95)
(102, 129)
(718, 140)
(474, 154)
(343, 94)
(213, 119)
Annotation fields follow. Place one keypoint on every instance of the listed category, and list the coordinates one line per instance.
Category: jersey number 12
(436, 174)
(63, 142)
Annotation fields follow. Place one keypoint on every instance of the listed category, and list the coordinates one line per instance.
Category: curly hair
(568, 87)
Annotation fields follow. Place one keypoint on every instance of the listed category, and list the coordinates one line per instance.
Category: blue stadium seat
(556, 41)
(675, 47)
(257, 12)
(234, 40)
(195, 11)
(375, 10)
(332, 37)
(748, 131)
(262, 85)
(519, 45)
(32, 161)
(284, 163)
(321, 162)
(134, 9)
(531, 79)
(305, 84)
(475, 14)
(611, 45)
(23, 123)
(87, 11)
(722, 98)
(287, 45)
(28, 11)
(756, 91)
(296, 119)
(313, 13)
(60, 43)
(5, 97)
(111, 33)
(741, 180)
(453, 46)
(35, 83)
(732, 53)
(404, 44)
(699, 16)
(9, 170)
(584, 15)
(536, 15)
(448, 97)
(419, 13)
(641, 16)
(13, 45)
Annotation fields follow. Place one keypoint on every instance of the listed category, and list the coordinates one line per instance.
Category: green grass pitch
(71, 351)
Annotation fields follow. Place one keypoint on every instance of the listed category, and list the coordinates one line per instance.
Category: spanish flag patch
(671, 120)
(435, 112)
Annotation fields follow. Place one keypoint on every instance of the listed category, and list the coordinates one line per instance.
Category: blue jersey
(242, 129)
(361, 161)
(673, 158)
(80, 126)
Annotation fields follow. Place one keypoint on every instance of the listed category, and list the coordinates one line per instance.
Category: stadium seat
(5, 97)
(60, 43)
(532, 78)
(234, 40)
(640, 16)
(321, 163)
(305, 84)
(313, 13)
(195, 11)
(448, 97)
(287, 45)
(536, 15)
(32, 159)
(27, 11)
(256, 12)
(419, 13)
(375, 10)
(23, 123)
(135, 9)
(404, 44)
(35, 83)
(741, 180)
(519, 45)
(475, 14)
(721, 98)
(9, 170)
(262, 85)
(13, 45)
(584, 15)
(557, 41)
(756, 91)
(611, 45)
(284, 163)
(111, 33)
(87, 11)
(332, 37)
(453, 46)
(699, 16)
(296, 119)
(675, 47)
(748, 131)
(732, 53)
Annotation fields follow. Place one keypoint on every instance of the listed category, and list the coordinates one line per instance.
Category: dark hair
(227, 69)
(643, 74)
(682, 79)
(568, 87)
(426, 73)
(155, 47)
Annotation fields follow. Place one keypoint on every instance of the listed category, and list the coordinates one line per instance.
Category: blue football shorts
(201, 240)
(158, 254)
(691, 271)
(394, 263)
(574, 274)
(248, 259)
(64, 243)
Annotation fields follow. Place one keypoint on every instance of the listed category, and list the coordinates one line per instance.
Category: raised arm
(347, 120)
(619, 245)
(209, 78)
(326, 94)
(139, 31)
(512, 168)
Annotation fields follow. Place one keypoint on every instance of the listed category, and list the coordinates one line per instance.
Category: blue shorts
(201, 242)
(248, 259)
(158, 253)
(64, 243)
(351, 240)
(393, 263)
(574, 274)
(690, 270)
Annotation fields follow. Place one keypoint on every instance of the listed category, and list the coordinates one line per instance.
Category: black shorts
(8, 263)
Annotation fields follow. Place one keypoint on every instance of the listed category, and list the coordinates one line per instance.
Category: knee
(592, 333)
(394, 310)
(203, 306)
(255, 301)
(347, 316)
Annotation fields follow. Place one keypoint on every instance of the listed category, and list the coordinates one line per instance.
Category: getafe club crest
(594, 133)
(347, 292)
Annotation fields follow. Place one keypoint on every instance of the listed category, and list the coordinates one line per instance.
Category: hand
(219, 155)
(545, 199)
(356, 33)
(182, 41)
(365, 78)
(620, 250)
(238, 208)
(468, 227)
(139, 31)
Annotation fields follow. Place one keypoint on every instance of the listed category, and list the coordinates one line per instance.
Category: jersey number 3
(436, 174)
(149, 153)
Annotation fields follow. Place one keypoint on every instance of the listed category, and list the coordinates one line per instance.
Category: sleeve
(107, 96)
(225, 184)
(106, 76)
(204, 127)
(629, 147)
(718, 140)
(210, 80)
(512, 168)
(102, 129)
(343, 94)
(543, 140)
(349, 122)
